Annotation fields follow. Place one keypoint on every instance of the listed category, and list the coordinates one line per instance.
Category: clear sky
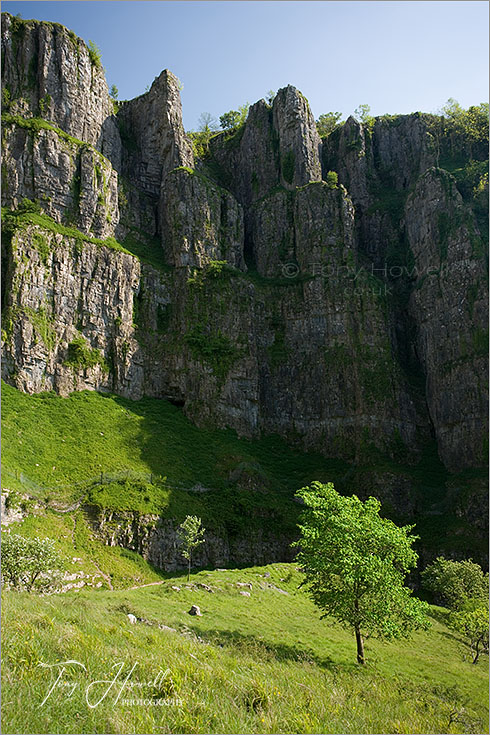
(398, 57)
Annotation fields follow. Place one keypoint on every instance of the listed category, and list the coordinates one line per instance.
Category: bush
(332, 179)
(472, 623)
(453, 583)
(31, 564)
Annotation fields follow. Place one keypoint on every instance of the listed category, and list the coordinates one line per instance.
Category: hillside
(202, 323)
(258, 664)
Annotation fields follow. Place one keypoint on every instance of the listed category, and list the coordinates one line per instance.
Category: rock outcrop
(251, 287)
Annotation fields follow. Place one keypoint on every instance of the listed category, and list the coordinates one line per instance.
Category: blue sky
(398, 57)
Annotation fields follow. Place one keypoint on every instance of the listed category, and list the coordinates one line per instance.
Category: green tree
(230, 120)
(191, 535)
(332, 179)
(114, 92)
(455, 582)
(355, 563)
(328, 122)
(362, 114)
(472, 623)
(29, 563)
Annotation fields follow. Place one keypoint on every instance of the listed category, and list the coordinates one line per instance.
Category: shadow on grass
(263, 650)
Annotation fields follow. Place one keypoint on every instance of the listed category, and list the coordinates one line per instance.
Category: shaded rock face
(299, 142)
(151, 127)
(283, 304)
(450, 308)
(200, 222)
(157, 540)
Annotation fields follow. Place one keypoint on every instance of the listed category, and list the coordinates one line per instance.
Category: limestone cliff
(249, 287)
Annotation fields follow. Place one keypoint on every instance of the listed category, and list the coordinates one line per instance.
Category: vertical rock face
(299, 142)
(449, 305)
(200, 222)
(73, 182)
(49, 72)
(317, 337)
(69, 309)
(151, 126)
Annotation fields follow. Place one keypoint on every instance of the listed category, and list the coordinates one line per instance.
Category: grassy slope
(55, 447)
(259, 664)
(57, 441)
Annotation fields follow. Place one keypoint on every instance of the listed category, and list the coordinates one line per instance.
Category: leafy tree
(191, 535)
(29, 563)
(362, 114)
(332, 179)
(95, 55)
(466, 128)
(472, 623)
(355, 563)
(455, 582)
(207, 127)
(327, 123)
(114, 92)
(230, 120)
(234, 119)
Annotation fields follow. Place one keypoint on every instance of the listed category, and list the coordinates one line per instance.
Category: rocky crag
(250, 287)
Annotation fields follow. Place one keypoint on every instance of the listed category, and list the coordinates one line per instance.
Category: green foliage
(241, 667)
(44, 104)
(36, 124)
(472, 122)
(230, 120)
(113, 92)
(355, 563)
(29, 214)
(29, 563)
(472, 623)
(95, 55)
(287, 166)
(234, 119)
(453, 583)
(81, 356)
(29, 206)
(328, 122)
(200, 142)
(5, 97)
(332, 179)
(191, 535)
(215, 349)
(362, 114)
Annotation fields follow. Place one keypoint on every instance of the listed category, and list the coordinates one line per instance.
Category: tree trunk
(477, 652)
(360, 647)
(189, 569)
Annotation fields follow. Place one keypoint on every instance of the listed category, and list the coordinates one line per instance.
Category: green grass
(259, 664)
(148, 455)
(36, 124)
(13, 220)
(89, 433)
